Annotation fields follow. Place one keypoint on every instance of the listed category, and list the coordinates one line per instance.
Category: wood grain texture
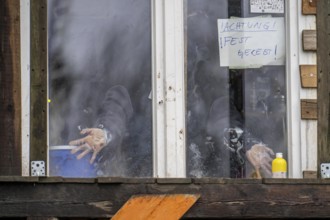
(308, 76)
(269, 199)
(309, 40)
(308, 108)
(10, 84)
(156, 207)
(323, 70)
(38, 91)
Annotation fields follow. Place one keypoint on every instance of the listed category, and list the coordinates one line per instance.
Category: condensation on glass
(100, 78)
(236, 87)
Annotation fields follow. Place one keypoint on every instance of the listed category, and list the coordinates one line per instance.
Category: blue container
(63, 163)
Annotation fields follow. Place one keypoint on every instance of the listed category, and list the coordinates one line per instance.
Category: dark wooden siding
(38, 129)
(10, 88)
(323, 89)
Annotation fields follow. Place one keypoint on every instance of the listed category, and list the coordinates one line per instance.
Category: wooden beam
(323, 89)
(10, 84)
(158, 207)
(309, 40)
(308, 108)
(38, 92)
(308, 76)
(219, 198)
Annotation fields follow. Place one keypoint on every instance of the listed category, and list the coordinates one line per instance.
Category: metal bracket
(325, 170)
(38, 168)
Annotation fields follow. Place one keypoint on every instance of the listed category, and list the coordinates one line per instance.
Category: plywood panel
(157, 207)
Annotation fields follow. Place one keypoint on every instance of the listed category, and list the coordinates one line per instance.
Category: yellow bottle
(279, 166)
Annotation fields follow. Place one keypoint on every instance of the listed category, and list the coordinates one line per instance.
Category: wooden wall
(219, 198)
(10, 88)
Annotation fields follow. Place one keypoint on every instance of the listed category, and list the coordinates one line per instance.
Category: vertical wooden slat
(38, 93)
(10, 93)
(323, 69)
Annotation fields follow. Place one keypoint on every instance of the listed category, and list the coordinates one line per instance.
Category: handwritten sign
(251, 42)
(267, 6)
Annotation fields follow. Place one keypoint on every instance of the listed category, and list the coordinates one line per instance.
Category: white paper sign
(251, 42)
(267, 6)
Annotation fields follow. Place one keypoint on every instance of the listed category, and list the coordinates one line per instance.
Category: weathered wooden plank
(309, 7)
(38, 94)
(308, 108)
(309, 174)
(173, 180)
(323, 70)
(213, 180)
(10, 84)
(118, 180)
(157, 207)
(276, 198)
(18, 179)
(309, 40)
(308, 76)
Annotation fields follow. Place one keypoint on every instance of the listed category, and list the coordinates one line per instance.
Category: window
(100, 88)
(236, 103)
(171, 50)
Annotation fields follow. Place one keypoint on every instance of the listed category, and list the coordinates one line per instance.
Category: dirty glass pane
(236, 89)
(99, 88)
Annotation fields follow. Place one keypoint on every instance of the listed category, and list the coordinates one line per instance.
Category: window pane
(236, 106)
(100, 78)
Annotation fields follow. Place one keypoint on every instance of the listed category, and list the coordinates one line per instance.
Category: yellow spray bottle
(279, 166)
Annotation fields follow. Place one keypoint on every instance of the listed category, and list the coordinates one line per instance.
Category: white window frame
(302, 148)
(168, 89)
(168, 33)
(168, 77)
(25, 83)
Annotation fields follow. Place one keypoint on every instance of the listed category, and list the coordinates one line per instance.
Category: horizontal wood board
(308, 76)
(308, 109)
(309, 7)
(219, 198)
(309, 40)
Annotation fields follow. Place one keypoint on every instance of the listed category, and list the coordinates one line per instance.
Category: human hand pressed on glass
(260, 156)
(94, 141)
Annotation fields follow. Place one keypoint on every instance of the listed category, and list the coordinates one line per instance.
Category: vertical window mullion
(169, 150)
(25, 78)
(293, 88)
(158, 88)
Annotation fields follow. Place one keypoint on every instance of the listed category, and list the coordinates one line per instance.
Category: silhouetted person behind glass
(115, 133)
(100, 82)
(219, 144)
